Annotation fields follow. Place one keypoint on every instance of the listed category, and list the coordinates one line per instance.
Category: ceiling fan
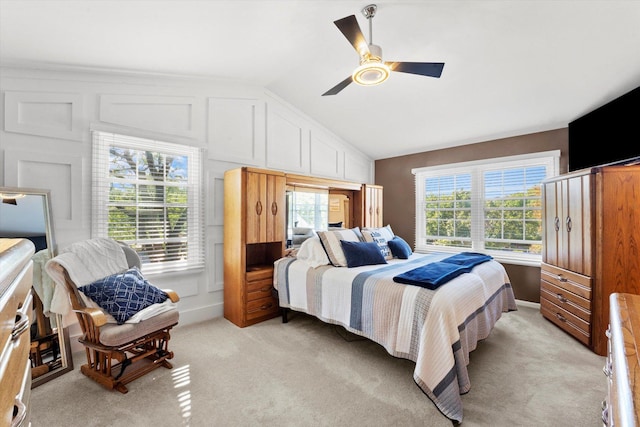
(373, 70)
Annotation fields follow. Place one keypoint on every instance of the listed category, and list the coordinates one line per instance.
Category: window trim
(550, 158)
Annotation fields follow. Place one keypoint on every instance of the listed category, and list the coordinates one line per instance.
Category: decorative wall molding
(236, 130)
(357, 168)
(215, 266)
(59, 173)
(326, 158)
(172, 115)
(287, 141)
(54, 115)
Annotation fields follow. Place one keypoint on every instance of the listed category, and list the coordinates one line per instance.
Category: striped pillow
(331, 242)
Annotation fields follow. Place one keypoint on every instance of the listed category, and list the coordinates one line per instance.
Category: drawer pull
(265, 289)
(266, 306)
(607, 333)
(607, 369)
(22, 325)
(605, 413)
(561, 278)
(561, 298)
(560, 317)
(20, 409)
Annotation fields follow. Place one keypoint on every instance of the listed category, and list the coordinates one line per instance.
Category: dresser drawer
(15, 369)
(259, 289)
(261, 307)
(566, 300)
(259, 273)
(566, 320)
(573, 282)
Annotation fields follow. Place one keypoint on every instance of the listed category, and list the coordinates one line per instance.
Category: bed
(436, 328)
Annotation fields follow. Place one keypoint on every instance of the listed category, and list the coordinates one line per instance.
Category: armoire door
(265, 207)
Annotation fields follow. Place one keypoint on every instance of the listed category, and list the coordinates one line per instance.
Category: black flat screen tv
(608, 134)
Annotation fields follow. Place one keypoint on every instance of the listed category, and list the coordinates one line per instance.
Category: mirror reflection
(26, 213)
(314, 209)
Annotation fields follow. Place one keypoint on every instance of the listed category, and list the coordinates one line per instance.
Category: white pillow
(312, 252)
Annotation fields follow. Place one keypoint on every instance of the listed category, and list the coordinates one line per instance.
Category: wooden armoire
(254, 238)
(369, 202)
(591, 247)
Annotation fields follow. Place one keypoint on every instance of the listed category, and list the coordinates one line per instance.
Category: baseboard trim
(529, 304)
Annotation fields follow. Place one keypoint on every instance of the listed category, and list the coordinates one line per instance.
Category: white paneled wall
(45, 143)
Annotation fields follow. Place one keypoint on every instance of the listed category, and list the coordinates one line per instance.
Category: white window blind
(148, 194)
(493, 206)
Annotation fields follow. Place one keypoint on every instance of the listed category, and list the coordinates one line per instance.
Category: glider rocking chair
(118, 351)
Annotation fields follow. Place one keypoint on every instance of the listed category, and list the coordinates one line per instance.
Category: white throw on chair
(125, 320)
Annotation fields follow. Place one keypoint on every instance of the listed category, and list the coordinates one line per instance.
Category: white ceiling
(511, 67)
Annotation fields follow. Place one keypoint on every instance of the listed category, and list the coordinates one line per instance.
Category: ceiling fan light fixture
(371, 73)
(372, 70)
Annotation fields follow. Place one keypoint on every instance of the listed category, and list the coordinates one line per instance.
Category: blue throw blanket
(435, 274)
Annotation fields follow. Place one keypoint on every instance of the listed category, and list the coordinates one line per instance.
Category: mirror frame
(62, 331)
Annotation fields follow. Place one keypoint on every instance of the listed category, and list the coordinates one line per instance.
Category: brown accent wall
(394, 174)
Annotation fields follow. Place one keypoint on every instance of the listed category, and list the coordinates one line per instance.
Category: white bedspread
(437, 329)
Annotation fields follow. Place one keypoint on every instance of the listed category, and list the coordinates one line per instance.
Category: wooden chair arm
(173, 296)
(94, 316)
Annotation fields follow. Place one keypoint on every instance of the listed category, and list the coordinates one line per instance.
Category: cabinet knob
(556, 224)
(259, 207)
(568, 223)
(274, 208)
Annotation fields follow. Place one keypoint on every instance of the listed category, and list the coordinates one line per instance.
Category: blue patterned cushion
(124, 294)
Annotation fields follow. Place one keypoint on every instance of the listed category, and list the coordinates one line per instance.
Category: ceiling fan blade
(337, 88)
(429, 69)
(351, 30)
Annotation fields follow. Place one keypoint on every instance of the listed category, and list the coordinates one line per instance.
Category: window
(492, 206)
(148, 194)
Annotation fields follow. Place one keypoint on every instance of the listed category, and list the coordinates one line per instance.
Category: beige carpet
(308, 373)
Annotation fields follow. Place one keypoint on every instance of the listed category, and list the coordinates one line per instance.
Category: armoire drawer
(259, 289)
(567, 300)
(261, 307)
(573, 282)
(567, 321)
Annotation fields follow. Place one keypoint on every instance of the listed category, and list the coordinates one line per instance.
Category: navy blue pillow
(362, 253)
(124, 294)
(399, 248)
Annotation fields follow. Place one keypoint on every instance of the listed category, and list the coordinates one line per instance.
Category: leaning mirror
(26, 213)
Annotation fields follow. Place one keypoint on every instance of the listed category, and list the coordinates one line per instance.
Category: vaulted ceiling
(511, 67)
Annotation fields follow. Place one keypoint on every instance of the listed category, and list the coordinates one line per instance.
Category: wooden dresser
(591, 248)
(16, 278)
(622, 367)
